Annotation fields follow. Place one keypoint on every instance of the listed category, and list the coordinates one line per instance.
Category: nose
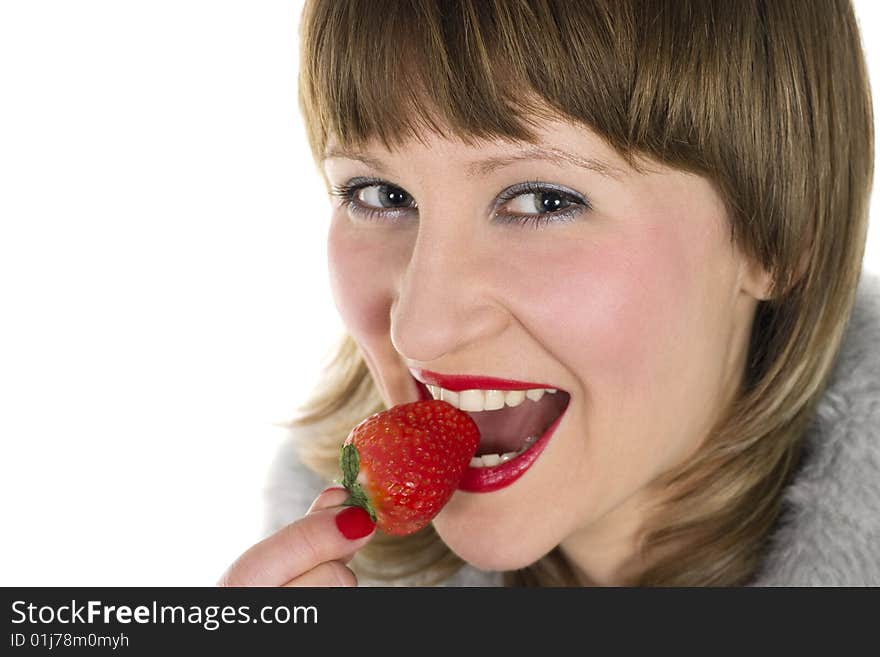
(444, 299)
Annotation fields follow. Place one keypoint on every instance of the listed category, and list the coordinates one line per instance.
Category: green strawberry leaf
(350, 463)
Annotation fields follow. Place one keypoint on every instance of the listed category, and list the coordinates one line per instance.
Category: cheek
(608, 305)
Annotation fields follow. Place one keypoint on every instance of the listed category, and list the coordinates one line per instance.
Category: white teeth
(514, 397)
(494, 399)
(487, 400)
(471, 400)
(489, 460)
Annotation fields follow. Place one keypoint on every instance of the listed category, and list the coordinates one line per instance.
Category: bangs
(394, 70)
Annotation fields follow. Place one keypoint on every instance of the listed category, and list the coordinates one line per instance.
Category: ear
(754, 280)
(758, 282)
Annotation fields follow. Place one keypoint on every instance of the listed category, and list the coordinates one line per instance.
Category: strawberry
(402, 465)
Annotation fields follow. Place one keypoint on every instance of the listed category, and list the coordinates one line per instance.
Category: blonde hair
(769, 100)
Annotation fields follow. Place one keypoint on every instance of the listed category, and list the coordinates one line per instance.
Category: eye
(374, 199)
(538, 203)
(384, 196)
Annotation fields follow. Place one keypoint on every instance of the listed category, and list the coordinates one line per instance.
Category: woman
(656, 209)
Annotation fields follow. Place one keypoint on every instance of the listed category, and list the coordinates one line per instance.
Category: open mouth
(514, 419)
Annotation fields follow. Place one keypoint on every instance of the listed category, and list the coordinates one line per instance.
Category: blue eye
(377, 200)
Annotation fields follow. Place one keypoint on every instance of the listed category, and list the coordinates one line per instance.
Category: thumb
(331, 496)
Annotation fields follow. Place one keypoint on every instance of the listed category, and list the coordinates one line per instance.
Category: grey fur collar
(829, 532)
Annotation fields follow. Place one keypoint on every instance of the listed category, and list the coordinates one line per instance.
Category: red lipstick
(459, 382)
(486, 480)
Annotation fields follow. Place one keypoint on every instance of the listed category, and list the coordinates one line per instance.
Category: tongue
(506, 429)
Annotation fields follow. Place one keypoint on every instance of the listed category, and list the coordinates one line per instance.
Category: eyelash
(346, 193)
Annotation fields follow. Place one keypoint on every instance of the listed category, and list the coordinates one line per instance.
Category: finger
(324, 535)
(329, 573)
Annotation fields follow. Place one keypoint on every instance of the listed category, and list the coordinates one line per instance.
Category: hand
(312, 551)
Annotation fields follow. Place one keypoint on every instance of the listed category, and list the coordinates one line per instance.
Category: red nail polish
(354, 522)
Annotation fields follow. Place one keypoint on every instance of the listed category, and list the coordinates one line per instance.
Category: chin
(488, 550)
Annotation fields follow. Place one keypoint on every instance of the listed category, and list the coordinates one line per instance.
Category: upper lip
(459, 382)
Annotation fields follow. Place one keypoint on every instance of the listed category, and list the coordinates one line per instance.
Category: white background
(163, 295)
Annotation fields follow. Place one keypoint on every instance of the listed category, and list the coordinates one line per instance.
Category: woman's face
(627, 295)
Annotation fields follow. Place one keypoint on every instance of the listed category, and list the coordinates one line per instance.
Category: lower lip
(486, 480)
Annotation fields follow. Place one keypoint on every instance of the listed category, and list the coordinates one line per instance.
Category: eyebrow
(484, 167)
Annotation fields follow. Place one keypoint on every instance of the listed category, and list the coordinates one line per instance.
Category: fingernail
(353, 522)
(330, 496)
